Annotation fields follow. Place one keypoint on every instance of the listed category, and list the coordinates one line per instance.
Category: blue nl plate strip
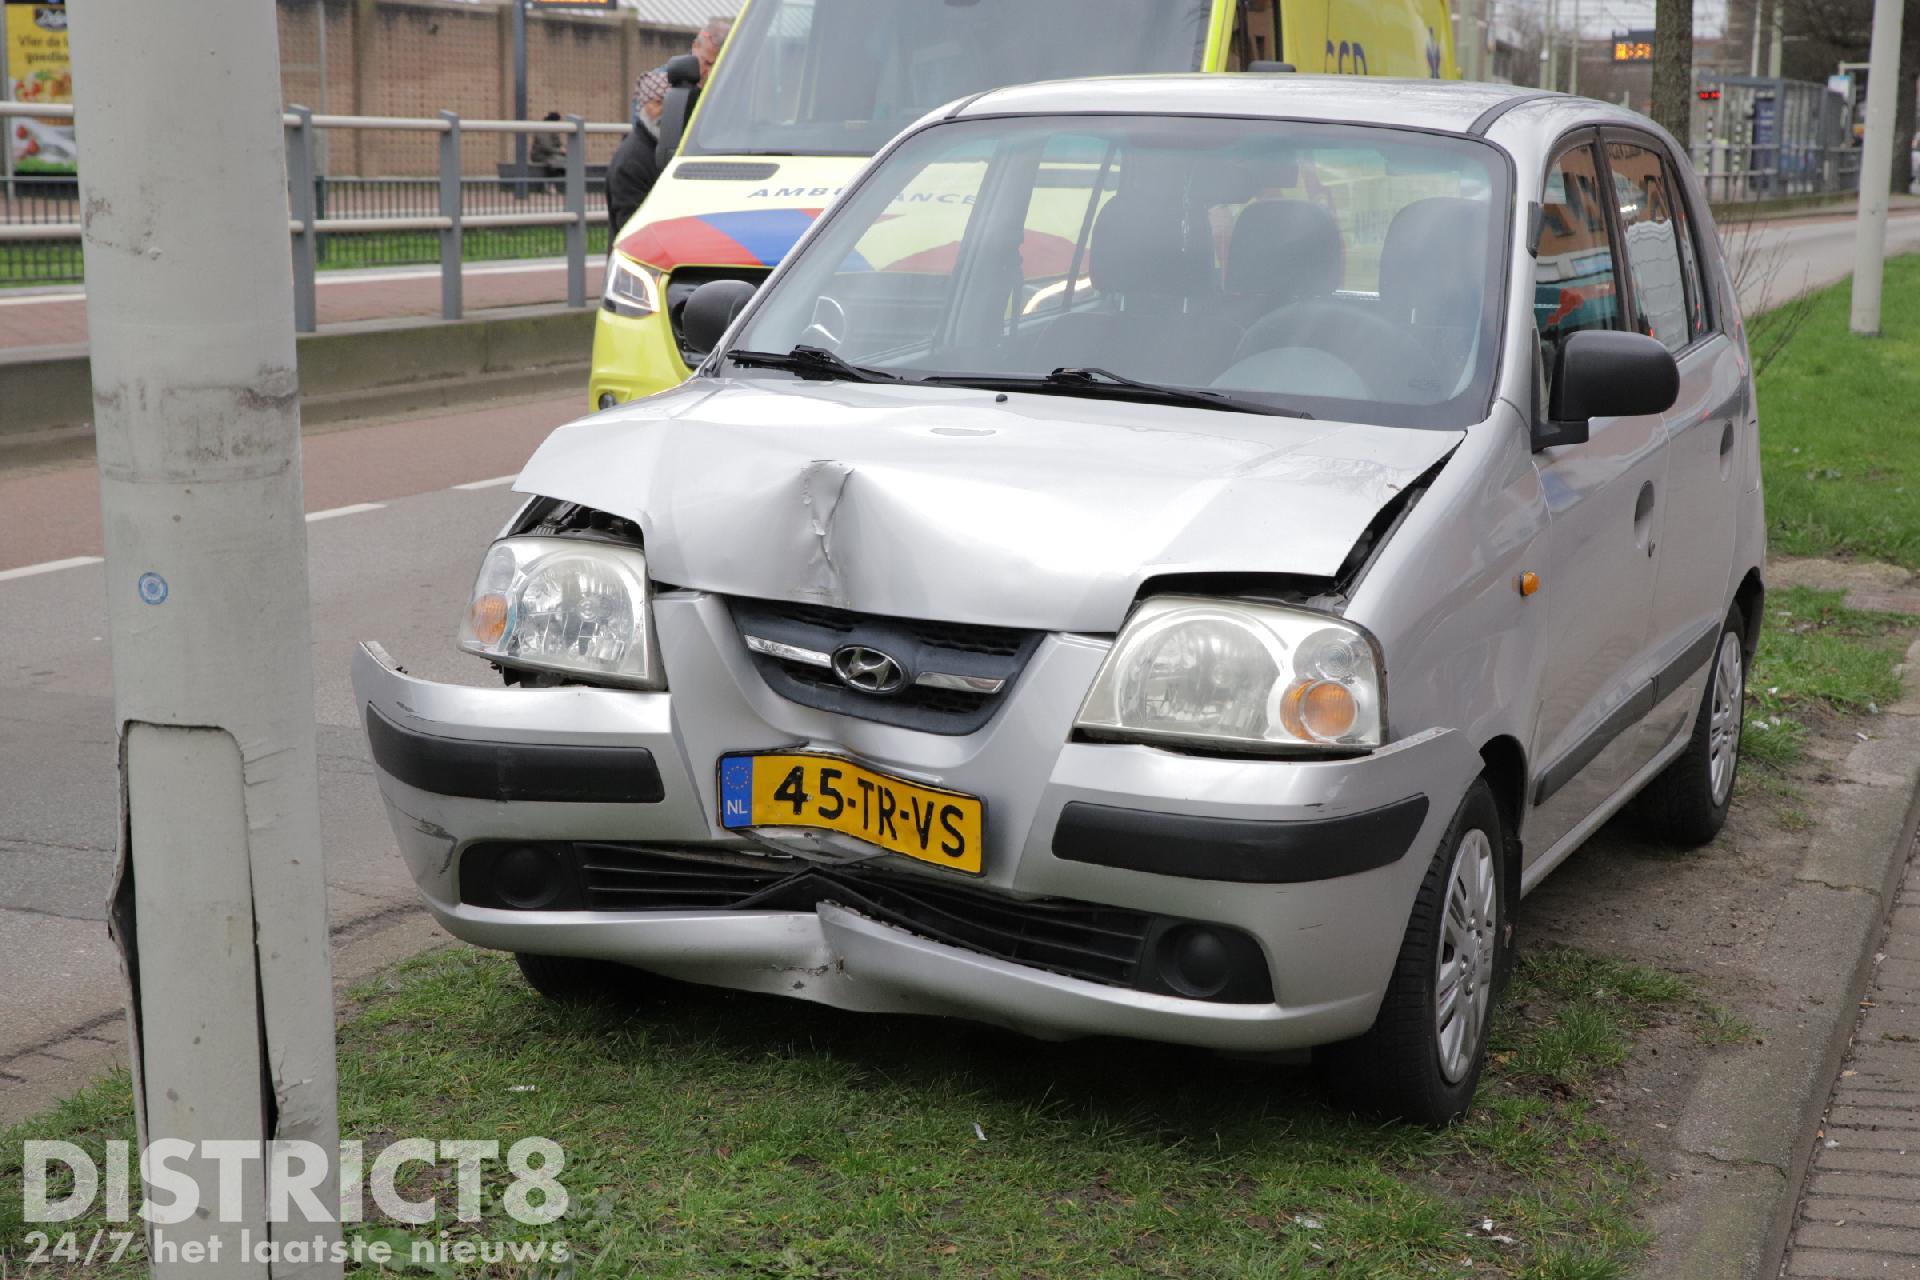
(736, 791)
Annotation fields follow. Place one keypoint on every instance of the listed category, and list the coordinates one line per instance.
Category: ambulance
(806, 91)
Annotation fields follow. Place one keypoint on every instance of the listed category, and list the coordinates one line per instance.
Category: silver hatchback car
(1171, 557)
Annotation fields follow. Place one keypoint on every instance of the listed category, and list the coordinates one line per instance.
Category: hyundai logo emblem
(868, 670)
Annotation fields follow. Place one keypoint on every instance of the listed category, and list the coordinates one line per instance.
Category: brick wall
(418, 57)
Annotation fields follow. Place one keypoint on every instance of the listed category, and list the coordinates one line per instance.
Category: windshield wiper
(1117, 386)
(811, 362)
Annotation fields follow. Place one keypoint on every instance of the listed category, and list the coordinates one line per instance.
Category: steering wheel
(1380, 353)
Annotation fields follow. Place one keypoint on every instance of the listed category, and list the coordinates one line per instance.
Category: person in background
(547, 154)
(633, 169)
(706, 45)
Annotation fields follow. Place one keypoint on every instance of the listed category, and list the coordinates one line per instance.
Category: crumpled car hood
(1032, 511)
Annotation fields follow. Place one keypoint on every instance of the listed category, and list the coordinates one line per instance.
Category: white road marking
(28, 571)
(352, 510)
(494, 483)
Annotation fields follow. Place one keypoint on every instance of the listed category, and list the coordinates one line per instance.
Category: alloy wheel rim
(1463, 984)
(1723, 718)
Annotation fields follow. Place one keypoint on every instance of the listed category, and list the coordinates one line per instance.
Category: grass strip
(1817, 659)
(712, 1133)
(1840, 429)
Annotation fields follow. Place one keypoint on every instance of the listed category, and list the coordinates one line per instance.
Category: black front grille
(919, 645)
(1113, 946)
(1101, 944)
(625, 878)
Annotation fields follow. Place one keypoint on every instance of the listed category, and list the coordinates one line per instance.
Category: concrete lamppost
(220, 904)
(1876, 166)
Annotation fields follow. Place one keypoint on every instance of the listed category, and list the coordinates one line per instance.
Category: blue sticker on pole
(152, 588)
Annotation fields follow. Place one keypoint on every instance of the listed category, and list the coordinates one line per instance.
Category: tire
(1418, 1063)
(1686, 805)
(570, 979)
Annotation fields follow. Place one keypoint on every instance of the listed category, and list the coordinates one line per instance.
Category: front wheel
(570, 979)
(1422, 1058)
(1688, 803)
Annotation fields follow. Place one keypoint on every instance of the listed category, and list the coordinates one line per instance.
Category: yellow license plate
(827, 793)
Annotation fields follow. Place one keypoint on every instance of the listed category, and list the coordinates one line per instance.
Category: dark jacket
(630, 175)
(547, 151)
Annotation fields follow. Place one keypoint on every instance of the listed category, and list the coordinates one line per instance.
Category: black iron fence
(32, 200)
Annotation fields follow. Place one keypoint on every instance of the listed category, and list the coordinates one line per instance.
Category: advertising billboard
(38, 69)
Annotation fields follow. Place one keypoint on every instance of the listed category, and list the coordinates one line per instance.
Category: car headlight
(632, 289)
(1234, 675)
(565, 605)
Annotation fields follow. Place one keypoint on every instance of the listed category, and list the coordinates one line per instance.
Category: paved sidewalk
(1859, 1214)
(59, 318)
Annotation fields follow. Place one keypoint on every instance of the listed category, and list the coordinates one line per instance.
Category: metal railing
(1763, 138)
(359, 221)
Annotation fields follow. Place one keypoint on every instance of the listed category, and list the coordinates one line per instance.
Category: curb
(73, 1057)
(1789, 208)
(1746, 1133)
(346, 370)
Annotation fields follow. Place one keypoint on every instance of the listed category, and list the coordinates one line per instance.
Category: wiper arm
(1090, 376)
(811, 362)
(1107, 383)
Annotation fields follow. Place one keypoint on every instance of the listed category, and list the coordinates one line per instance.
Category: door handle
(1643, 516)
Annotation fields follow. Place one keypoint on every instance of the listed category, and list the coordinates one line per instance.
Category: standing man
(706, 47)
(633, 170)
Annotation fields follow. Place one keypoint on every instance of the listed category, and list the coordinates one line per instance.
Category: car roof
(1451, 105)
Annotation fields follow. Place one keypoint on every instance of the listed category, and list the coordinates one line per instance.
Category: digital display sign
(1634, 46)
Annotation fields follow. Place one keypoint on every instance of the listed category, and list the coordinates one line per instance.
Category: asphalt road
(394, 541)
(1791, 256)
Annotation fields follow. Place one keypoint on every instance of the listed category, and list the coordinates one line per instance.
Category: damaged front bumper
(1101, 859)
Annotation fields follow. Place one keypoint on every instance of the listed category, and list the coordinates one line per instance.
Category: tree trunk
(1673, 68)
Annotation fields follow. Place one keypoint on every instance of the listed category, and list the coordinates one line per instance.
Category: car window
(1573, 279)
(1662, 292)
(1256, 33)
(1337, 270)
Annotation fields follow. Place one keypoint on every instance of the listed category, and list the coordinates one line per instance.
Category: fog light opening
(529, 877)
(608, 400)
(1196, 961)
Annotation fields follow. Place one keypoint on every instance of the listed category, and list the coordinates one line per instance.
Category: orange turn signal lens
(488, 618)
(1318, 710)
(1529, 583)
(1328, 710)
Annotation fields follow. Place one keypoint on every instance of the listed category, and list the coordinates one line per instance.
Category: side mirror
(1605, 373)
(683, 80)
(710, 309)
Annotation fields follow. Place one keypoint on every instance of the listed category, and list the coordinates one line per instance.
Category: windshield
(1342, 271)
(840, 77)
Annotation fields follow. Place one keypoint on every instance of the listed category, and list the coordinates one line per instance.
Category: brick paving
(1859, 1213)
(50, 320)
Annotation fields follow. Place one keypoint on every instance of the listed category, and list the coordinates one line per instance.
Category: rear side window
(1659, 250)
(1573, 281)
